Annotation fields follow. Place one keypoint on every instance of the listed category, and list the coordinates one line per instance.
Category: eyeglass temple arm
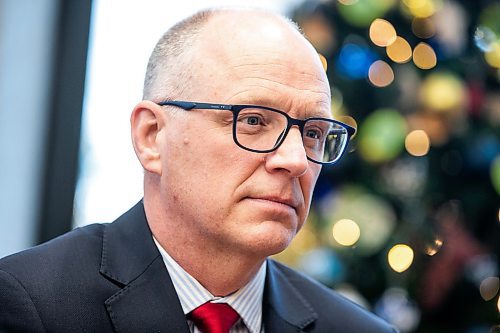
(350, 130)
(194, 105)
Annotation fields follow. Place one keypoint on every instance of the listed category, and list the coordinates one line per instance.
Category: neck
(220, 274)
(219, 269)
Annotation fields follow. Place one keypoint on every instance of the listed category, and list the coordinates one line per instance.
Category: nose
(290, 155)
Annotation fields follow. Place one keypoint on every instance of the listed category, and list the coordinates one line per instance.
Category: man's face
(226, 197)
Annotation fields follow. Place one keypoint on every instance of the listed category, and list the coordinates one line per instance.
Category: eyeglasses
(261, 129)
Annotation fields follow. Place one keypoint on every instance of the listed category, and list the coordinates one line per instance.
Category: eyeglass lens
(263, 130)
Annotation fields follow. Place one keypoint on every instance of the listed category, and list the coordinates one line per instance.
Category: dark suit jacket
(111, 278)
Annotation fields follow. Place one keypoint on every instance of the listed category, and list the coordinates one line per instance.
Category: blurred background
(406, 225)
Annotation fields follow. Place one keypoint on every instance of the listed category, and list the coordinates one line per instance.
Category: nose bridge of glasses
(294, 125)
(292, 135)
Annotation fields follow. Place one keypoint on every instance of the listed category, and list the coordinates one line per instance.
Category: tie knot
(214, 317)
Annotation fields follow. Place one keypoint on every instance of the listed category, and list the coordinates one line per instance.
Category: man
(228, 181)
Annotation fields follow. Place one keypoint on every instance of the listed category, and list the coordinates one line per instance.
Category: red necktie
(214, 317)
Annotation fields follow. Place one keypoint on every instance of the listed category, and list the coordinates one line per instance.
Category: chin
(271, 240)
(277, 249)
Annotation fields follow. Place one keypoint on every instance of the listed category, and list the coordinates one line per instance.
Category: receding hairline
(233, 10)
(170, 57)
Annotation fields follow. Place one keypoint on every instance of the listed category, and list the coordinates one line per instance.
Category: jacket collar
(131, 260)
(286, 310)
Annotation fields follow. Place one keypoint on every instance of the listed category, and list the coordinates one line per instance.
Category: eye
(252, 120)
(251, 123)
(313, 133)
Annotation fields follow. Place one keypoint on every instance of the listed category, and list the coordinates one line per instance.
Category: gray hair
(168, 66)
(169, 60)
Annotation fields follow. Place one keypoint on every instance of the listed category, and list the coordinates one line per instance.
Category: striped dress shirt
(247, 301)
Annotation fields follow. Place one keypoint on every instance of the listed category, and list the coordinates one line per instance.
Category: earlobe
(146, 124)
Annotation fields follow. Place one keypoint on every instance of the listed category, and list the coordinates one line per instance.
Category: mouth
(287, 203)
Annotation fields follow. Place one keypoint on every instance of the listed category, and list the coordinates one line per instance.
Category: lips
(277, 199)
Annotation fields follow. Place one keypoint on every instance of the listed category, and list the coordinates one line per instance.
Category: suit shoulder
(333, 309)
(75, 244)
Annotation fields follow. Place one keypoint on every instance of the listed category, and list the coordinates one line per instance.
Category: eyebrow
(317, 112)
(320, 114)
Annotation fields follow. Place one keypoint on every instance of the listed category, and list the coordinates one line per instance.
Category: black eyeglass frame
(236, 108)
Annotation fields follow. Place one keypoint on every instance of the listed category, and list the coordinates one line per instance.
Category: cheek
(308, 182)
(210, 166)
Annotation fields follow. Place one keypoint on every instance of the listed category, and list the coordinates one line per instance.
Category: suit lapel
(285, 309)
(147, 301)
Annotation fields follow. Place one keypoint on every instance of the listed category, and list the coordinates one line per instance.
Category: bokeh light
(432, 124)
(346, 232)
(320, 32)
(382, 135)
(347, 2)
(452, 35)
(304, 241)
(354, 60)
(489, 287)
(434, 247)
(423, 27)
(417, 143)
(399, 51)
(362, 12)
(397, 308)
(404, 177)
(382, 32)
(487, 35)
(489, 18)
(380, 74)
(484, 38)
(323, 265)
(482, 266)
(421, 8)
(492, 56)
(442, 91)
(374, 216)
(400, 257)
(424, 56)
(323, 61)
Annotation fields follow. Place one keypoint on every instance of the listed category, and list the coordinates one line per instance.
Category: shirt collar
(247, 301)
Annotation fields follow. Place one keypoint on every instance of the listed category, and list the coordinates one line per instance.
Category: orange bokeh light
(380, 74)
(424, 56)
(399, 51)
(382, 32)
(417, 143)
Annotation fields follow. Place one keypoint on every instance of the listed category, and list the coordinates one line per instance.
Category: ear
(146, 125)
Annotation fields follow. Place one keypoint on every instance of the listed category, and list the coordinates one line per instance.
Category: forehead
(255, 59)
